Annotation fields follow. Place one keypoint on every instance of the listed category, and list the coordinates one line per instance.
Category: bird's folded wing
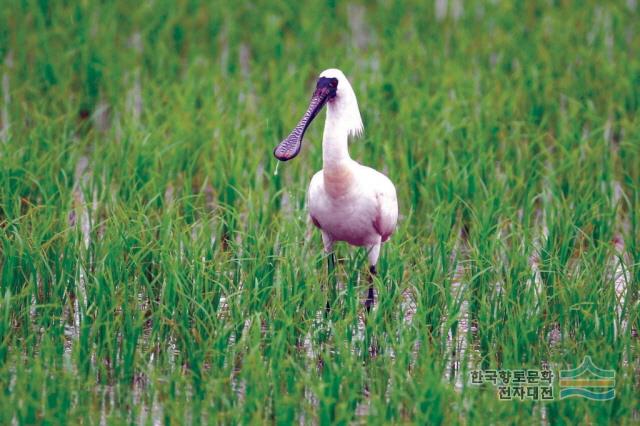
(387, 218)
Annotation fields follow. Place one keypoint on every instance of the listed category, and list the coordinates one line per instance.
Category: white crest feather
(345, 104)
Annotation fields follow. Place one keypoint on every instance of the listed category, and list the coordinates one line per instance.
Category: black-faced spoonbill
(347, 201)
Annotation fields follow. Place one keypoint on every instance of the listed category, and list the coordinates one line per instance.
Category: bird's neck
(337, 164)
(335, 142)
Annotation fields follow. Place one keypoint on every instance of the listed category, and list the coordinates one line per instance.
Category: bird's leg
(368, 304)
(331, 273)
(370, 295)
(331, 270)
(374, 252)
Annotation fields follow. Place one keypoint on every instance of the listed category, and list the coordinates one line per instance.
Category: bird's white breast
(350, 215)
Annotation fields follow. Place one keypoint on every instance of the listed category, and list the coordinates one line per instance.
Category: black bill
(290, 146)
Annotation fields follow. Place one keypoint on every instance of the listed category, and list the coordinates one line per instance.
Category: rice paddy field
(157, 265)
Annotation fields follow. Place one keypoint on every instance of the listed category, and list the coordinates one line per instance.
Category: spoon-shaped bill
(290, 146)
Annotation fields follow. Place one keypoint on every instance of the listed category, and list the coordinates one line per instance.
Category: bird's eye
(334, 84)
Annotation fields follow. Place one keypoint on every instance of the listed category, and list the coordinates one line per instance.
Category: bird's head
(332, 88)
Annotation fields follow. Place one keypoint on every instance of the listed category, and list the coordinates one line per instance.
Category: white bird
(347, 201)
